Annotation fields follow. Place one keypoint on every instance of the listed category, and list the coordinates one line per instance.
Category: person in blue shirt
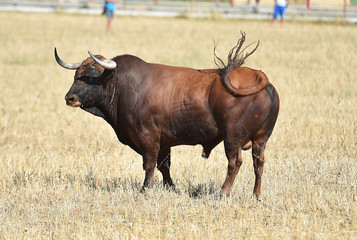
(279, 10)
(109, 12)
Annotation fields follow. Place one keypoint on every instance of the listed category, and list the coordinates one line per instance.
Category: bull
(153, 107)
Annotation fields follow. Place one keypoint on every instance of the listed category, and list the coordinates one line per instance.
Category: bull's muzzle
(72, 100)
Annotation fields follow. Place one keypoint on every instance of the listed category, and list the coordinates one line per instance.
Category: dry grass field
(64, 175)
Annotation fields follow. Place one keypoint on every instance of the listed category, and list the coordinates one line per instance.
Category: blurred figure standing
(109, 9)
(279, 10)
(256, 7)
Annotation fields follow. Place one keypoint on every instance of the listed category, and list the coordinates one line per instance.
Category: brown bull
(153, 107)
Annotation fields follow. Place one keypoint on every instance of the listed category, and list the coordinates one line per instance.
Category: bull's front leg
(149, 165)
(148, 139)
(163, 164)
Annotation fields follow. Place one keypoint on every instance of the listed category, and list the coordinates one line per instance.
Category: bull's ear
(107, 64)
(71, 66)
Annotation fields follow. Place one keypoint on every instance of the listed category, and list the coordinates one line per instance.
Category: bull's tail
(234, 62)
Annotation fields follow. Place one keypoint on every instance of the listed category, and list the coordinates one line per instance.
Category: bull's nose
(72, 100)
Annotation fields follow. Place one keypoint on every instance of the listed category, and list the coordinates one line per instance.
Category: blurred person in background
(256, 7)
(109, 8)
(279, 10)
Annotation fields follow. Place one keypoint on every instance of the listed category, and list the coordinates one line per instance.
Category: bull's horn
(72, 66)
(107, 64)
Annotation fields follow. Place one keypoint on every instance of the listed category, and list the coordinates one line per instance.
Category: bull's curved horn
(107, 64)
(71, 66)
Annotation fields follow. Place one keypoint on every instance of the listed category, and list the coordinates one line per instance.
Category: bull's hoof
(143, 189)
(223, 193)
(204, 154)
(172, 188)
(257, 196)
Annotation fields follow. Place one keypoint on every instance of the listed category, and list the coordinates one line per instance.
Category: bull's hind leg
(261, 136)
(163, 164)
(258, 163)
(234, 155)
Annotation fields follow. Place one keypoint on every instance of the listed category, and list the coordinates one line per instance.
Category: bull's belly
(190, 132)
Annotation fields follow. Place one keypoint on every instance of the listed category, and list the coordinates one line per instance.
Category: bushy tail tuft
(234, 62)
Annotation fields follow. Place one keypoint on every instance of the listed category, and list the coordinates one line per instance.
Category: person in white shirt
(279, 10)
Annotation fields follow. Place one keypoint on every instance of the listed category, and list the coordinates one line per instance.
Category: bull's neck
(109, 104)
(112, 108)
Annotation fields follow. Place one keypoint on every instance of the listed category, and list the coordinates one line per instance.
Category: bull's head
(90, 78)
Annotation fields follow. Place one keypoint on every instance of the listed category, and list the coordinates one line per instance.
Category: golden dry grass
(64, 175)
